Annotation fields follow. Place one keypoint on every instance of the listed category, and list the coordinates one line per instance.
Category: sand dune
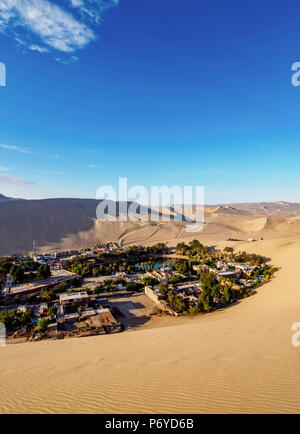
(71, 223)
(237, 360)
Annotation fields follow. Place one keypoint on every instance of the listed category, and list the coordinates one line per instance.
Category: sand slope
(237, 360)
(71, 223)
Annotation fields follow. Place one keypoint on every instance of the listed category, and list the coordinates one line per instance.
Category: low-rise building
(75, 297)
(231, 274)
(154, 294)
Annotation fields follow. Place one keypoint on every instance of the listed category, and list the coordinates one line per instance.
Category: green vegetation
(42, 325)
(29, 271)
(50, 295)
(194, 248)
(106, 264)
(52, 311)
(163, 288)
(134, 286)
(184, 267)
(15, 319)
(43, 272)
(250, 258)
(179, 304)
(150, 281)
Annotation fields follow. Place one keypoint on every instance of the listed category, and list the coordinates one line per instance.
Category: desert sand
(240, 359)
(71, 224)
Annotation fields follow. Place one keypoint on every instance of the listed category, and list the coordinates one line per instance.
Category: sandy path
(237, 360)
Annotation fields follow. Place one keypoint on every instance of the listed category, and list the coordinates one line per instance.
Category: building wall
(150, 292)
(159, 300)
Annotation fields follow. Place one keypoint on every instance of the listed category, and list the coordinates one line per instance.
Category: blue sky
(161, 92)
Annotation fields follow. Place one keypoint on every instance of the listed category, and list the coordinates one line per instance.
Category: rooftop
(73, 296)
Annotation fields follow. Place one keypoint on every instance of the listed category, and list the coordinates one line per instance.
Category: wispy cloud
(90, 166)
(16, 181)
(52, 172)
(15, 148)
(4, 169)
(49, 26)
(93, 9)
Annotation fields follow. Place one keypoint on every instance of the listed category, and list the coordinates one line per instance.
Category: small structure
(71, 317)
(74, 297)
(158, 298)
(154, 294)
(231, 274)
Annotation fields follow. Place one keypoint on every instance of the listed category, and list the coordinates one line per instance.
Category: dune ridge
(71, 223)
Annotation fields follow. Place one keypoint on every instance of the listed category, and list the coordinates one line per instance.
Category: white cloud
(48, 26)
(93, 9)
(70, 60)
(53, 172)
(34, 47)
(16, 181)
(90, 166)
(15, 148)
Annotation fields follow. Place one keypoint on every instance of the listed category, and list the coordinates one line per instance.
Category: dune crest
(71, 223)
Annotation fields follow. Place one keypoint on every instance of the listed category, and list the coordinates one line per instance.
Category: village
(109, 289)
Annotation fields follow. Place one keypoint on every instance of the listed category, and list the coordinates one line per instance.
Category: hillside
(6, 199)
(71, 223)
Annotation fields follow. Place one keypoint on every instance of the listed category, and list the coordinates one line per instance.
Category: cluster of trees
(29, 271)
(193, 248)
(108, 286)
(150, 281)
(177, 303)
(15, 319)
(52, 311)
(250, 258)
(49, 295)
(108, 263)
(43, 272)
(213, 295)
(137, 251)
(183, 267)
(265, 271)
(134, 286)
(18, 275)
(42, 325)
(86, 267)
(177, 279)
(5, 264)
(111, 286)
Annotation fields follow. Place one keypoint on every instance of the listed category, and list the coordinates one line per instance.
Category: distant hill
(227, 210)
(50, 222)
(72, 223)
(6, 199)
(47, 221)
